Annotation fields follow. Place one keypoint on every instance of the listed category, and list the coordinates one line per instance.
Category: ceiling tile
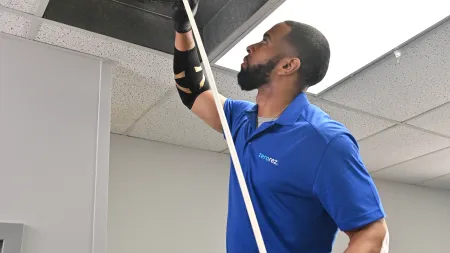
(401, 90)
(118, 128)
(14, 24)
(398, 144)
(140, 60)
(28, 6)
(437, 120)
(133, 94)
(417, 170)
(171, 122)
(141, 77)
(360, 124)
(159, 126)
(228, 86)
(441, 183)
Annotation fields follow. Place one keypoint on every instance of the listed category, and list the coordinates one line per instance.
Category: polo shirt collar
(291, 114)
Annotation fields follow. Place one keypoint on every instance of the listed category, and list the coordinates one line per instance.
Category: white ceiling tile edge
(46, 28)
(442, 182)
(422, 168)
(348, 108)
(167, 121)
(436, 120)
(130, 56)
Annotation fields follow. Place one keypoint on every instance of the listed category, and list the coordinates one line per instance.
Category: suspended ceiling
(398, 109)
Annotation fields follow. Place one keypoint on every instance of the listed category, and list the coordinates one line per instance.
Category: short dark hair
(312, 49)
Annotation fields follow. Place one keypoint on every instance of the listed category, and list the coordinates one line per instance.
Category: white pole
(229, 139)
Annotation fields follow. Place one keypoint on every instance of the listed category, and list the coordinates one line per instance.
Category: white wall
(418, 218)
(166, 198)
(54, 146)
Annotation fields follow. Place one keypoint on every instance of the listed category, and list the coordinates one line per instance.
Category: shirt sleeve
(235, 112)
(344, 186)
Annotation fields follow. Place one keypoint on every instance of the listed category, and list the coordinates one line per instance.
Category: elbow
(374, 238)
(381, 236)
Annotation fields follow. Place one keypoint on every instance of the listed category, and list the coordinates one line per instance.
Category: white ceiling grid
(413, 172)
(171, 122)
(398, 144)
(414, 91)
(437, 120)
(442, 182)
(133, 95)
(399, 111)
(360, 124)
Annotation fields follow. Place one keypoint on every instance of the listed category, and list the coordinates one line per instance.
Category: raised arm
(191, 82)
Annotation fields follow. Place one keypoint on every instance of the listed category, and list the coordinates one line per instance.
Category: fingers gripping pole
(229, 139)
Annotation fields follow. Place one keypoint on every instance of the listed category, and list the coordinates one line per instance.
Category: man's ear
(289, 66)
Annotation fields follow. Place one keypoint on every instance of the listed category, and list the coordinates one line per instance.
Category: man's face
(263, 57)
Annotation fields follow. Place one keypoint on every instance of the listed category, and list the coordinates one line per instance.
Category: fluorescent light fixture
(358, 31)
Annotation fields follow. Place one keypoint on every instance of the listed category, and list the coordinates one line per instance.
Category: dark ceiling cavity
(148, 23)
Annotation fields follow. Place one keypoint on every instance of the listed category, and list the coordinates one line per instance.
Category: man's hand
(373, 238)
(179, 16)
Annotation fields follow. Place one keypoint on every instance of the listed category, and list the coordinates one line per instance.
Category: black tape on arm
(189, 77)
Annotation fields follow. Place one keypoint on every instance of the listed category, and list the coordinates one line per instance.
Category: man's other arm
(372, 238)
(348, 193)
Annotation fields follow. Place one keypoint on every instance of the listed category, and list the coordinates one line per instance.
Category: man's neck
(271, 103)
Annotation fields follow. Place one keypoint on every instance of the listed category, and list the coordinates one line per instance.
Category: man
(303, 170)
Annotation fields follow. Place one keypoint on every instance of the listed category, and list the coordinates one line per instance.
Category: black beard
(255, 76)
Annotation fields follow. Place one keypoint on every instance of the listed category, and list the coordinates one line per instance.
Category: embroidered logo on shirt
(268, 159)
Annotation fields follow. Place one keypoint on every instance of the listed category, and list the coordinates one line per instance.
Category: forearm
(191, 83)
(364, 246)
(184, 41)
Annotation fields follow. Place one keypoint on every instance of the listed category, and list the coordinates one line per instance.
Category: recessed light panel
(358, 31)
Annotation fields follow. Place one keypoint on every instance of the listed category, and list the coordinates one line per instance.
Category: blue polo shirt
(305, 177)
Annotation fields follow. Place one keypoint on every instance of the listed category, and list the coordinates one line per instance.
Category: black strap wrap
(189, 76)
